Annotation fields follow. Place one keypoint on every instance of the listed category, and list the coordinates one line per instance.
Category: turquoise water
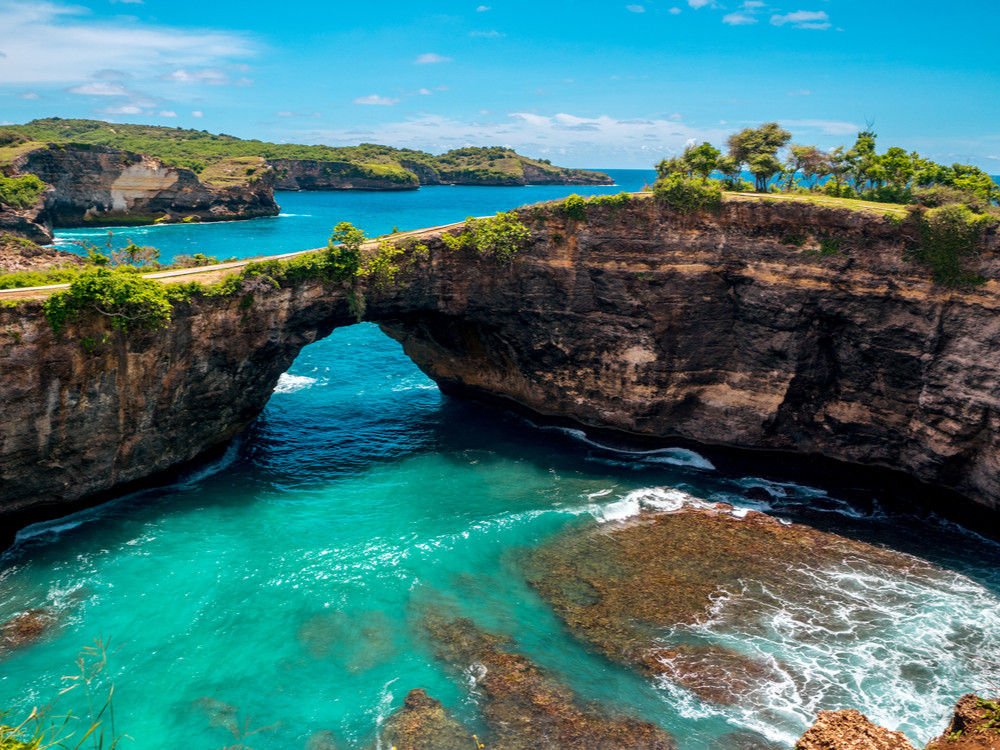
(284, 584)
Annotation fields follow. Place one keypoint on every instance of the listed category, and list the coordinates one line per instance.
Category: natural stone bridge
(714, 328)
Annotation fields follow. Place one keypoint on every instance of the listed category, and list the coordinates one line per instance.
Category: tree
(702, 159)
(839, 167)
(345, 257)
(808, 160)
(667, 167)
(864, 161)
(752, 145)
(731, 170)
(764, 167)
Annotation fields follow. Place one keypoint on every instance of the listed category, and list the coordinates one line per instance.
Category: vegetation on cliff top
(198, 150)
(20, 192)
(950, 206)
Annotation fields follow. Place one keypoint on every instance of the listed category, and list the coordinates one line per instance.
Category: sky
(582, 83)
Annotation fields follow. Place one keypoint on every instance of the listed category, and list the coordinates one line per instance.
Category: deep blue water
(284, 584)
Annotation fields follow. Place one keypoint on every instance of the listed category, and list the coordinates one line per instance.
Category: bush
(942, 195)
(948, 236)
(501, 236)
(575, 207)
(21, 192)
(687, 196)
(122, 296)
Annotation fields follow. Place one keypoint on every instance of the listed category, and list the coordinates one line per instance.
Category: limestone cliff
(731, 329)
(312, 174)
(99, 185)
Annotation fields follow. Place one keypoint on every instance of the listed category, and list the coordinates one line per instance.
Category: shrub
(948, 236)
(687, 196)
(575, 207)
(122, 296)
(501, 236)
(20, 192)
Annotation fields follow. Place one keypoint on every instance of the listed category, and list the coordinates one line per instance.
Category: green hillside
(200, 150)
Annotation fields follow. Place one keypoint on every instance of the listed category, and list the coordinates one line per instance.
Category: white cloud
(127, 2)
(753, 5)
(699, 3)
(584, 141)
(425, 92)
(197, 113)
(635, 9)
(800, 92)
(77, 45)
(676, 116)
(28, 95)
(674, 11)
(738, 19)
(383, 101)
(101, 89)
(804, 19)
(167, 113)
(125, 109)
(429, 58)
(483, 8)
(211, 76)
(492, 34)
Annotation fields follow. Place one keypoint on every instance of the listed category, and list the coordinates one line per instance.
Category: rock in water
(25, 629)
(423, 724)
(850, 730)
(638, 589)
(525, 708)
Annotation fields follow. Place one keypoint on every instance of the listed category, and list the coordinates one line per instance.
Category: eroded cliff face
(730, 329)
(32, 223)
(733, 329)
(98, 185)
(310, 174)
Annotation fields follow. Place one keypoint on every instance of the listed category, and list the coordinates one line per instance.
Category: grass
(9, 153)
(824, 200)
(233, 171)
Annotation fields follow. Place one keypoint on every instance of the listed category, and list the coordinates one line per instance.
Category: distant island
(223, 159)
(67, 173)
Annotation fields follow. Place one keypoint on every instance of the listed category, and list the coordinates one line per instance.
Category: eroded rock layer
(99, 185)
(717, 328)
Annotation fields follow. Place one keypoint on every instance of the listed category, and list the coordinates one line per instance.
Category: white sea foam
(663, 499)
(291, 383)
(673, 456)
(899, 644)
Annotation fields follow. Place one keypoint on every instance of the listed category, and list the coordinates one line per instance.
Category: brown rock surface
(103, 186)
(525, 708)
(850, 730)
(25, 628)
(975, 725)
(705, 328)
(423, 724)
(623, 587)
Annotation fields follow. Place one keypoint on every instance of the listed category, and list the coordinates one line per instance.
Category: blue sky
(599, 84)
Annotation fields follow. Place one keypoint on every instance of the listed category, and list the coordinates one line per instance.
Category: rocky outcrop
(423, 724)
(32, 223)
(309, 174)
(974, 726)
(733, 329)
(103, 186)
(525, 707)
(19, 254)
(850, 730)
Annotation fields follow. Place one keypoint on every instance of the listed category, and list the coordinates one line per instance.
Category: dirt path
(212, 274)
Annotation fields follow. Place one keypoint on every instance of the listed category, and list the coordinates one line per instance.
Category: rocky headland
(103, 186)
